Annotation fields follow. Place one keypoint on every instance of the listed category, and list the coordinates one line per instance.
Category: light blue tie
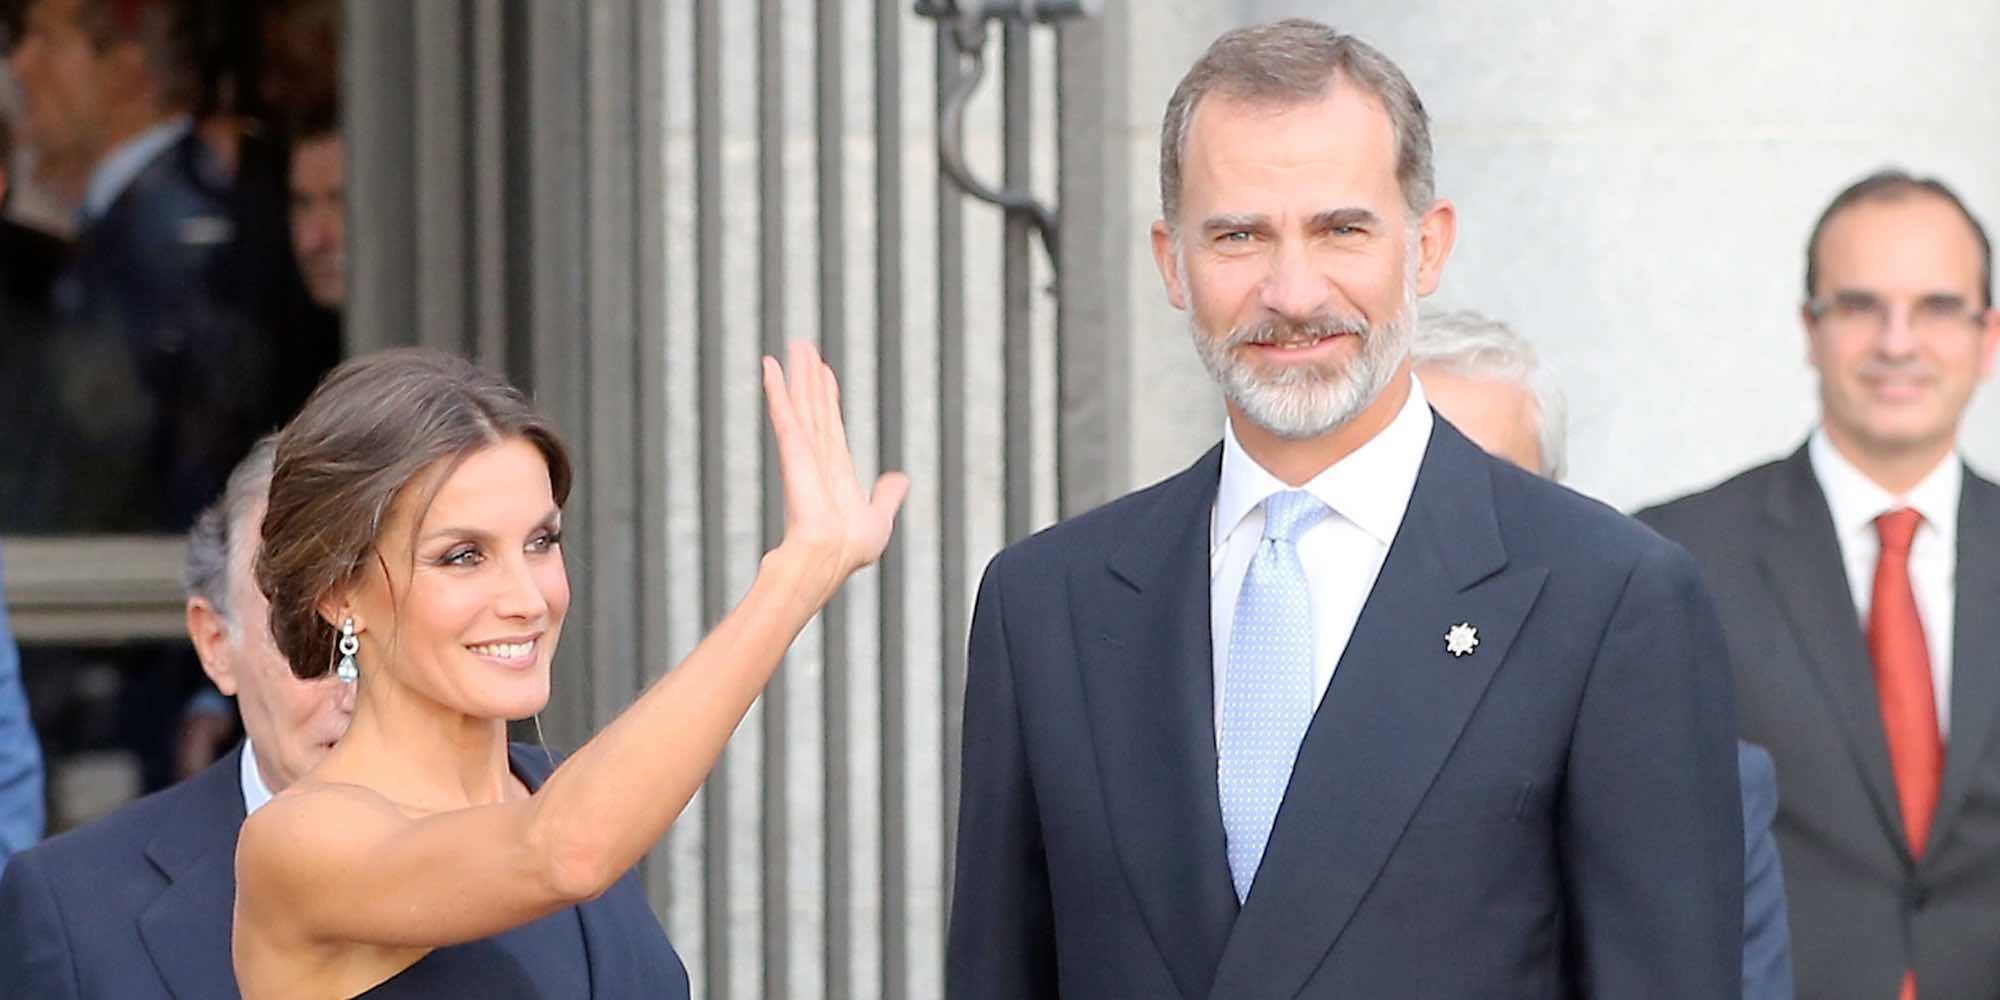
(1267, 693)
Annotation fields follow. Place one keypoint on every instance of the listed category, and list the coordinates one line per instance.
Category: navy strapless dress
(610, 947)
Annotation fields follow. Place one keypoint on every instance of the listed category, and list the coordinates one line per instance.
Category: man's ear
(1437, 233)
(209, 632)
(1167, 255)
(1989, 332)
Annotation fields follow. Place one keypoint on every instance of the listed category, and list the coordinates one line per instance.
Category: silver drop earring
(349, 645)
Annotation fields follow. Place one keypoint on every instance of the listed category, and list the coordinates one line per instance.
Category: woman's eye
(467, 556)
(545, 542)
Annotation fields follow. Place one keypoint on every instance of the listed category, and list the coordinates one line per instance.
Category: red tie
(1903, 682)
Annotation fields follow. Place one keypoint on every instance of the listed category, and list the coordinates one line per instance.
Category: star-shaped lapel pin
(1461, 639)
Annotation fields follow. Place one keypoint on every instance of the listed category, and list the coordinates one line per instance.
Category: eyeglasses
(1866, 312)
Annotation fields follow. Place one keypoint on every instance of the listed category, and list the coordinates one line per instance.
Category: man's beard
(1298, 401)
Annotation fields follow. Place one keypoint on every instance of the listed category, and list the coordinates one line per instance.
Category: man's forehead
(1343, 139)
(1343, 112)
(1917, 234)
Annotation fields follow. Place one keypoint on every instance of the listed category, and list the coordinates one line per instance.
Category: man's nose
(1294, 287)
(1898, 338)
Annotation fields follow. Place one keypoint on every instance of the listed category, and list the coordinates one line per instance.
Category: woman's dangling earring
(349, 645)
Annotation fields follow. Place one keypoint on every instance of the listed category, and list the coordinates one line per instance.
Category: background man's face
(1904, 385)
(319, 225)
(63, 84)
(292, 722)
(1500, 417)
(1294, 255)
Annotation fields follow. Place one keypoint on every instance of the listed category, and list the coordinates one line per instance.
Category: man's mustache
(1278, 330)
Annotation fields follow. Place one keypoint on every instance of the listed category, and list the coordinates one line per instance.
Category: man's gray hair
(1288, 63)
(1469, 345)
(218, 530)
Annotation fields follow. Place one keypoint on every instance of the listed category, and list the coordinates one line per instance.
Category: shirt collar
(1370, 487)
(117, 171)
(1855, 501)
(255, 792)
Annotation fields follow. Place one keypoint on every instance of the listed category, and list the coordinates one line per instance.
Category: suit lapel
(1145, 658)
(1975, 683)
(186, 929)
(1800, 557)
(1396, 706)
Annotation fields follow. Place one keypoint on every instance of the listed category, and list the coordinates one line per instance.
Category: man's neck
(1296, 462)
(1896, 470)
(129, 124)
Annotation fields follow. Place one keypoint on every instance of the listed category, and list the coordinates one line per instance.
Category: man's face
(1296, 258)
(66, 83)
(1499, 416)
(1902, 335)
(319, 225)
(292, 722)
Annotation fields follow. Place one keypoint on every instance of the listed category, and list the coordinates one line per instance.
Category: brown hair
(366, 434)
(1890, 184)
(1286, 64)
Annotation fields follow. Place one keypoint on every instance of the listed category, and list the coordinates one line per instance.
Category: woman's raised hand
(828, 520)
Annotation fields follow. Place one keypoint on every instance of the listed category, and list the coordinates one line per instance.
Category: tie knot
(1897, 528)
(1288, 513)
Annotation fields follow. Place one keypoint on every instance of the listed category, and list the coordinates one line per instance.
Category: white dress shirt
(117, 171)
(1855, 501)
(255, 792)
(1369, 491)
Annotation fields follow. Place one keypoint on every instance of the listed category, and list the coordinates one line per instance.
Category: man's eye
(1236, 237)
(1349, 231)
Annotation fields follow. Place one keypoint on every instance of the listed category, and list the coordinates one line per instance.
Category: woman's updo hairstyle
(365, 435)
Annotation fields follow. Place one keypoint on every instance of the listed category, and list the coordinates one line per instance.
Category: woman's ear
(337, 608)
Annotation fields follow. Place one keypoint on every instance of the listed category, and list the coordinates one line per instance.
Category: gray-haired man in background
(1487, 380)
(139, 903)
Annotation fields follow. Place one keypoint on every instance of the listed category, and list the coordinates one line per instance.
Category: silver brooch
(1461, 639)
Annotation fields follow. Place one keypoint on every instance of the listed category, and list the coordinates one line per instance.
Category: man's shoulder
(1558, 526)
(1715, 507)
(117, 842)
(1094, 534)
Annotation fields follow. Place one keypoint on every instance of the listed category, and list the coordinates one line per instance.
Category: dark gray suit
(1861, 910)
(1553, 816)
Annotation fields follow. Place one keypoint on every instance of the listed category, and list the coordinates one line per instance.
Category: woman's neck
(421, 754)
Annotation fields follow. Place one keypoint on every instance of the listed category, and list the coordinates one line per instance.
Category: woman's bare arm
(340, 864)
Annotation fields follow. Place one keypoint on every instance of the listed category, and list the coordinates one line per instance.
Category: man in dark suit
(1349, 708)
(29, 262)
(1488, 381)
(137, 905)
(158, 378)
(1859, 581)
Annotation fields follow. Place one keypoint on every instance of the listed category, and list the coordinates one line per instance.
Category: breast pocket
(1487, 803)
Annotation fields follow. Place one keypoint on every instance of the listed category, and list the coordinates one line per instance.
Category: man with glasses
(1860, 590)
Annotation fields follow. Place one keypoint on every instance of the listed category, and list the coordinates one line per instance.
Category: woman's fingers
(824, 499)
(890, 491)
(797, 463)
(840, 456)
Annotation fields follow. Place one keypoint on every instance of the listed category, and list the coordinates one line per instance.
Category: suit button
(1920, 896)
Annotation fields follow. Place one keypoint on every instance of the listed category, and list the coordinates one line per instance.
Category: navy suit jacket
(138, 905)
(159, 377)
(1554, 815)
(1767, 936)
